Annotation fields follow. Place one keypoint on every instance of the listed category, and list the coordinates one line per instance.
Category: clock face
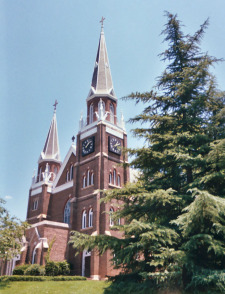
(88, 146)
(115, 145)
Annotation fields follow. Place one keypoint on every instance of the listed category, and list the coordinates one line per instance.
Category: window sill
(114, 186)
(84, 188)
(86, 229)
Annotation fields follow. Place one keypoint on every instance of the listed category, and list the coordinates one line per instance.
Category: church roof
(102, 79)
(51, 147)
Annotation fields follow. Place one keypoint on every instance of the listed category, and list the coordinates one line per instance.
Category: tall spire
(102, 79)
(51, 147)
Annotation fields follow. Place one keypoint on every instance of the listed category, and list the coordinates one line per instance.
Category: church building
(65, 195)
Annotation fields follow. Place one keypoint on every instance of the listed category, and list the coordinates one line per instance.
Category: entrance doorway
(86, 264)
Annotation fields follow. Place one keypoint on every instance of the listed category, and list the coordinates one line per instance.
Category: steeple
(51, 147)
(102, 84)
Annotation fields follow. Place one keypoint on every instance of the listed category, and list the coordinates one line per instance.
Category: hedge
(41, 278)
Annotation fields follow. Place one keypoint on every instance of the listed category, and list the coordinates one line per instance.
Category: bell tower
(99, 162)
(48, 166)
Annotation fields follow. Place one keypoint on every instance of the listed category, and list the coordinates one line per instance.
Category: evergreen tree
(181, 165)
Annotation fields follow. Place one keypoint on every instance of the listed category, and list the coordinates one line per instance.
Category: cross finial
(55, 104)
(73, 138)
(102, 21)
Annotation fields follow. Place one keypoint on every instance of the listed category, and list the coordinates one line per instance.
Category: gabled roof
(72, 150)
(51, 147)
(102, 79)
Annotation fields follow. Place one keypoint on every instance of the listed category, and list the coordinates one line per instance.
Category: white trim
(114, 133)
(88, 133)
(62, 187)
(84, 220)
(37, 185)
(36, 191)
(50, 223)
(113, 126)
(101, 95)
(88, 127)
(85, 254)
(90, 218)
(72, 150)
(49, 189)
(95, 277)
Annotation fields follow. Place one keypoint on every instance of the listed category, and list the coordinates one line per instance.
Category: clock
(88, 146)
(115, 145)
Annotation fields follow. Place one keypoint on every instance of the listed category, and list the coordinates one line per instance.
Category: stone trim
(49, 223)
(62, 187)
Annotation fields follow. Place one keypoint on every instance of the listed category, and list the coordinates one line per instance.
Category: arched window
(118, 181)
(84, 181)
(88, 178)
(103, 104)
(35, 204)
(92, 178)
(90, 218)
(67, 176)
(84, 219)
(111, 222)
(40, 175)
(67, 213)
(71, 172)
(111, 110)
(91, 113)
(119, 221)
(114, 177)
(110, 178)
(34, 255)
(55, 170)
(48, 167)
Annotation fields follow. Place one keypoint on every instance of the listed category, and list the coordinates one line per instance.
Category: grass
(53, 287)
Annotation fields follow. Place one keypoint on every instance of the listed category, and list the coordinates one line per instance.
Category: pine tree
(180, 166)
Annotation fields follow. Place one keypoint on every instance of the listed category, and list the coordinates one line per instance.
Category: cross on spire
(55, 104)
(102, 21)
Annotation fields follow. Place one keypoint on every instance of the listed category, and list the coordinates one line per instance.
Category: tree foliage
(175, 213)
(11, 234)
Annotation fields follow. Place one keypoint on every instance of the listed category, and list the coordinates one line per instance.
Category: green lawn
(49, 287)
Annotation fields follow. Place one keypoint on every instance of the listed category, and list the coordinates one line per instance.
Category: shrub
(64, 268)
(40, 278)
(20, 269)
(53, 268)
(67, 278)
(22, 278)
(35, 270)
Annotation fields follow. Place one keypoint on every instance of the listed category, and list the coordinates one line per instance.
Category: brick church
(65, 195)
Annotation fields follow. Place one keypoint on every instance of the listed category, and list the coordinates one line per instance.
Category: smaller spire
(51, 147)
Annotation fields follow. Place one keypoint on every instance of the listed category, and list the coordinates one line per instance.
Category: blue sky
(47, 52)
